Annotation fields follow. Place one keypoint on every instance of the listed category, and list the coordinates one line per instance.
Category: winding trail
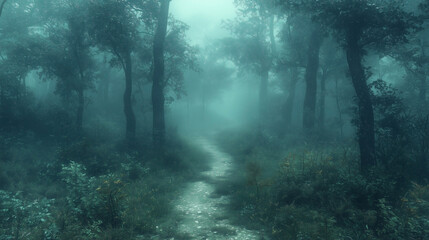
(204, 216)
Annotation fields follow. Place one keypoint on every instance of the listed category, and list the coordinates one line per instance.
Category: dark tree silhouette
(309, 117)
(158, 98)
(360, 25)
(114, 28)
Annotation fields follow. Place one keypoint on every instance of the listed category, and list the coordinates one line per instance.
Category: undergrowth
(315, 191)
(88, 189)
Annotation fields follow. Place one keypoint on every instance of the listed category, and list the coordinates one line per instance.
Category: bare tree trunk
(422, 91)
(81, 98)
(322, 100)
(288, 106)
(423, 84)
(158, 97)
(263, 101)
(340, 114)
(80, 109)
(311, 80)
(106, 86)
(130, 130)
(366, 134)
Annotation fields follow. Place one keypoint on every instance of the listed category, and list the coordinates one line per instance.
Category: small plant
(112, 195)
(24, 219)
(81, 198)
(253, 175)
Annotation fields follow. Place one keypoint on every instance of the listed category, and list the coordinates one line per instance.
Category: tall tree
(309, 113)
(158, 98)
(114, 28)
(291, 61)
(414, 59)
(19, 50)
(253, 46)
(331, 65)
(360, 25)
(68, 56)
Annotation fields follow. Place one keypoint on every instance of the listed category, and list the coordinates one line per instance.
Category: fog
(204, 18)
(214, 119)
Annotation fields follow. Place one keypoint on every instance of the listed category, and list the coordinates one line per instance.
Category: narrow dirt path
(205, 217)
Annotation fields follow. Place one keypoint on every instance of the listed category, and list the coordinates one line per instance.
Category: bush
(82, 200)
(318, 193)
(24, 219)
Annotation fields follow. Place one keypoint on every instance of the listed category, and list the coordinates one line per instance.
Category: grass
(109, 193)
(314, 191)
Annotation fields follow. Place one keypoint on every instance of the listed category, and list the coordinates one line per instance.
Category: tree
(291, 61)
(331, 65)
(19, 48)
(206, 84)
(158, 98)
(253, 47)
(414, 59)
(68, 55)
(312, 68)
(114, 26)
(179, 56)
(359, 26)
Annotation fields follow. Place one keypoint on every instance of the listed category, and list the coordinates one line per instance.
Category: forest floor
(203, 212)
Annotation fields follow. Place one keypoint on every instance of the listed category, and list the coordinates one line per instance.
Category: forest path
(204, 215)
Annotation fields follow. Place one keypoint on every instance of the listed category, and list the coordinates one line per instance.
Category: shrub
(81, 199)
(24, 219)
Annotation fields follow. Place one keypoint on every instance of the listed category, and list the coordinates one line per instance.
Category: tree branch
(1, 6)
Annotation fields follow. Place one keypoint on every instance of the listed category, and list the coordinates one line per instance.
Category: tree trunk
(2, 99)
(288, 106)
(422, 91)
(340, 113)
(106, 87)
(81, 98)
(130, 130)
(80, 109)
(158, 98)
(423, 86)
(322, 101)
(263, 101)
(309, 113)
(366, 135)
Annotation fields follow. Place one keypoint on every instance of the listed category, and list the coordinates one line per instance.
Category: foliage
(81, 198)
(21, 218)
(249, 48)
(392, 124)
(317, 193)
(96, 158)
(113, 27)
(179, 56)
(377, 23)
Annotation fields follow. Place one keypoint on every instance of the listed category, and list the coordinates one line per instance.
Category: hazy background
(232, 108)
(204, 18)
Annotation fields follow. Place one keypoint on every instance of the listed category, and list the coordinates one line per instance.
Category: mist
(214, 119)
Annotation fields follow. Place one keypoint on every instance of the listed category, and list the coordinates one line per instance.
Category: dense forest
(160, 119)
